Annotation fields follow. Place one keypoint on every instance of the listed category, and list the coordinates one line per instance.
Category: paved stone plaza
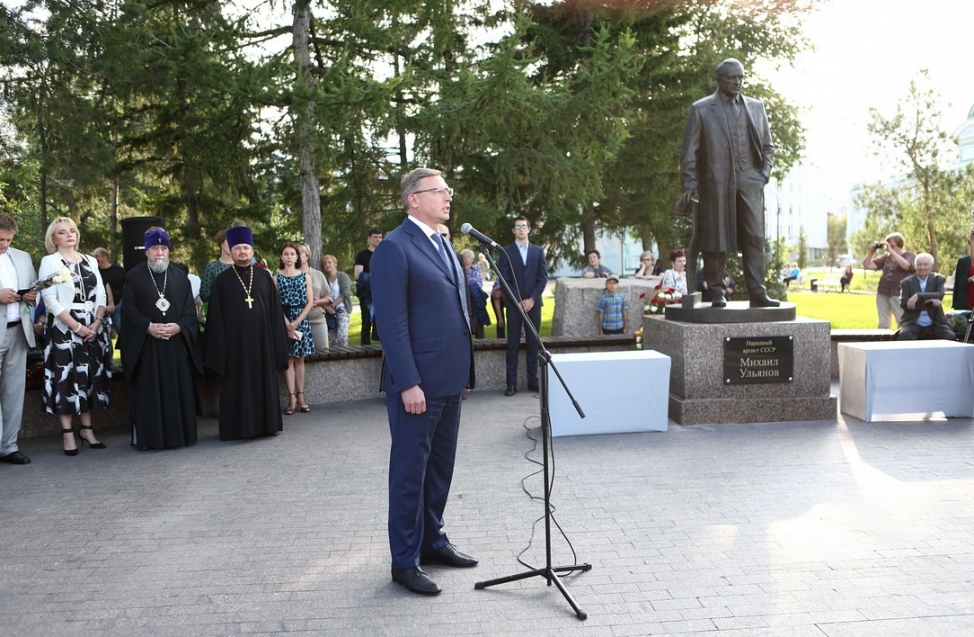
(825, 529)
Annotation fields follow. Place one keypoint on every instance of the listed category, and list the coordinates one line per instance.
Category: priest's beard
(159, 265)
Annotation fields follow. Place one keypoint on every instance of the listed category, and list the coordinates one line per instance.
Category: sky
(866, 52)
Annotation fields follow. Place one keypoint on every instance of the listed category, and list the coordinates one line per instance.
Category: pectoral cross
(250, 302)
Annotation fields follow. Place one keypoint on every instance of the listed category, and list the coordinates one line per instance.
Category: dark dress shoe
(764, 301)
(449, 556)
(510, 391)
(533, 387)
(15, 458)
(416, 580)
(719, 300)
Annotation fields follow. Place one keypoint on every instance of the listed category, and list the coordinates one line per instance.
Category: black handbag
(331, 320)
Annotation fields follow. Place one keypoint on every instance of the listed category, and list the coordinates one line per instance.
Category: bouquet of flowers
(660, 299)
(61, 276)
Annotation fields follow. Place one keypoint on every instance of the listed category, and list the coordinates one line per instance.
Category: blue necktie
(444, 255)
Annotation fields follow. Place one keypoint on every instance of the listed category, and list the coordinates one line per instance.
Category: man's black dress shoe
(764, 301)
(416, 580)
(448, 555)
(719, 300)
(533, 387)
(510, 391)
(15, 458)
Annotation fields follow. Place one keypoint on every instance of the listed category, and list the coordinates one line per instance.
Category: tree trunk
(588, 230)
(304, 117)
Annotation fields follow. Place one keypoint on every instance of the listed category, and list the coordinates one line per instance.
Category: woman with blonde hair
(338, 312)
(77, 357)
(647, 265)
(322, 299)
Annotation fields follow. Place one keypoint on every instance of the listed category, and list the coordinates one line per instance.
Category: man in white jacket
(16, 335)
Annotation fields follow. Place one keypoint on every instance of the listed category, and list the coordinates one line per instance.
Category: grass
(844, 311)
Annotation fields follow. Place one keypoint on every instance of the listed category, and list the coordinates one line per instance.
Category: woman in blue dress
(297, 298)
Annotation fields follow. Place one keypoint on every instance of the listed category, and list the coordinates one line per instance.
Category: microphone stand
(549, 572)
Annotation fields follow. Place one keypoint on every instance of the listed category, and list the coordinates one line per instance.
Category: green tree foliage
(801, 248)
(144, 101)
(200, 112)
(930, 203)
(836, 244)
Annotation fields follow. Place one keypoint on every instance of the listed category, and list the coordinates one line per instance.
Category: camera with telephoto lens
(878, 245)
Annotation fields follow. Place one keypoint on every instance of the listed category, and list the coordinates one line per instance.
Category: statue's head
(730, 77)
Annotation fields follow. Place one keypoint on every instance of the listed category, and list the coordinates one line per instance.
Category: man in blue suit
(523, 267)
(419, 295)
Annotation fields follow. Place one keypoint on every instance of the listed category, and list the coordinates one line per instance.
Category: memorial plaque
(759, 359)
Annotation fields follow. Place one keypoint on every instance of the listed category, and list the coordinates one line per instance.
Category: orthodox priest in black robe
(160, 349)
(246, 343)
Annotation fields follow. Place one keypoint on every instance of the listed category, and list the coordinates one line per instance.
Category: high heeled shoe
(290, 408)
(304, 408)
(69, 430)
(92, 445)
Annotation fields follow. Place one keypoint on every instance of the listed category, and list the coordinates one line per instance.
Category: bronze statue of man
(725, 163)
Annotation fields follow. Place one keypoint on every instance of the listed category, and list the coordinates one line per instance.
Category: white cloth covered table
(906, 380)
(620, 392)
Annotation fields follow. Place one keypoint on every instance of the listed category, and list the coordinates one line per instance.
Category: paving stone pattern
(819, 529)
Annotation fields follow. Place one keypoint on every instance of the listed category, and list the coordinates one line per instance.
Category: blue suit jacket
(526, 281)
(426, 338)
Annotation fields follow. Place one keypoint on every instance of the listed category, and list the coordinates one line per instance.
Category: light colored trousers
(13, 379)
(886, 307)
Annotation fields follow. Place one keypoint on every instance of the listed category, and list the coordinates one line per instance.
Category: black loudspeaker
(133, 239)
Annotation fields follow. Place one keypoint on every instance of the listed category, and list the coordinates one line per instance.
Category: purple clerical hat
(238, 235)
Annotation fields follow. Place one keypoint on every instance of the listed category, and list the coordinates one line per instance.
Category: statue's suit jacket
(707, 167)
(935, 290)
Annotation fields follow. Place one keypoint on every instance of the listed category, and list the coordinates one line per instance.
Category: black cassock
(246, 348)
(165, 402)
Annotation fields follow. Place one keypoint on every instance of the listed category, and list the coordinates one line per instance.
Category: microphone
(470, 231)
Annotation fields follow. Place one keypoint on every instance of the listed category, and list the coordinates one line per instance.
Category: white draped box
(620, 392)
(906, 380)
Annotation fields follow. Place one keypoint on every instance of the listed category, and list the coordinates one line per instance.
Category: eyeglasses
(650, 259)
(439, 192)
(521, 226)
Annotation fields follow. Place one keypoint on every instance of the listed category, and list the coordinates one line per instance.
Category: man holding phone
(16, 335)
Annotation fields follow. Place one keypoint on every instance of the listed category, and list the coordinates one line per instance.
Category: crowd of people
(258, 326)
(77, 301)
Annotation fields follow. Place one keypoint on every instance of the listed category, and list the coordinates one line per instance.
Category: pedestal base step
(719, 411)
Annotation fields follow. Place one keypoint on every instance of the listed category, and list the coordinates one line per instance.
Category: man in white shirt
(16, 335)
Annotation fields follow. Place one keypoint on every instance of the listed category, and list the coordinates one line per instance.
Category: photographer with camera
(895, 264)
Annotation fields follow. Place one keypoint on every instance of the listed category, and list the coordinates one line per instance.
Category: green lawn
(844, 311)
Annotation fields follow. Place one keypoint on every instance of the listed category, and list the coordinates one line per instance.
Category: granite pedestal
(699, 393)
